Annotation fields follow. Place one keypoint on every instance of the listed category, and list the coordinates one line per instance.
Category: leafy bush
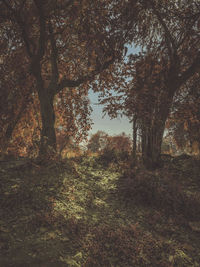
(112, 156)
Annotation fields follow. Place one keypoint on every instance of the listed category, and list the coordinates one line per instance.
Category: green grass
(79, 213)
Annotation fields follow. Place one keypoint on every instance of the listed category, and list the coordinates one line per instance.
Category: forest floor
(81, 213)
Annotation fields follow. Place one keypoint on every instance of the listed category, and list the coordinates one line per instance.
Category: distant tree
(119, 143)
(97, 141)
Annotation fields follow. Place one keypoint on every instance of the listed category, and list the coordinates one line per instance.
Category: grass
(80, 213)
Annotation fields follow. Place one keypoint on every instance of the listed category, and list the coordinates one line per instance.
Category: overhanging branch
(75, 83)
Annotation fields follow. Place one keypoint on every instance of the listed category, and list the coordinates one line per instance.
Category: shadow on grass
(74, 214)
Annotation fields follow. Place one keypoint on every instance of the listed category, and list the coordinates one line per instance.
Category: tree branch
(75, 83)
(188, 31)
(21, 26)
(42, 24)
(54, 56)
(187, 74)
(169, 39)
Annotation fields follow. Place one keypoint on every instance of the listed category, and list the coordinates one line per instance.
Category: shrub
(109, 156)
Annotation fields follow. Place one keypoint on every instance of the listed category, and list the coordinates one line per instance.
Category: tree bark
(48, 135)
(151, 145)
(134, 138)
(152, 134)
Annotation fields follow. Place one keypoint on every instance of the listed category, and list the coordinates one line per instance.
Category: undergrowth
(83, 212)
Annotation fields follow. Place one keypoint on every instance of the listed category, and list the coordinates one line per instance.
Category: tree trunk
(152, 135)
(151, 145)
(48, 135)
(134, 138)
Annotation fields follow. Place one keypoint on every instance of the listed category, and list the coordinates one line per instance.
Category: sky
(114, 126)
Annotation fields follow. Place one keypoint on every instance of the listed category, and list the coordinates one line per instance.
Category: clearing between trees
(80, 213)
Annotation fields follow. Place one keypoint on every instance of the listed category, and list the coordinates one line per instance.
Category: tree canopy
(53, 52)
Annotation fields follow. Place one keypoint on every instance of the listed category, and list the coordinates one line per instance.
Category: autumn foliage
(53, 52)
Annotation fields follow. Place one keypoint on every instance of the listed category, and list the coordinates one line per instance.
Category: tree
(120, 143)
(97, 141)
(176, 60)
(64, 43)
(168, 32)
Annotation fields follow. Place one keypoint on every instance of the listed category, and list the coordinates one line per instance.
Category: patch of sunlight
(100, 203)
(70, 261)
(181, 258)
(69, 209)
(49, 235)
